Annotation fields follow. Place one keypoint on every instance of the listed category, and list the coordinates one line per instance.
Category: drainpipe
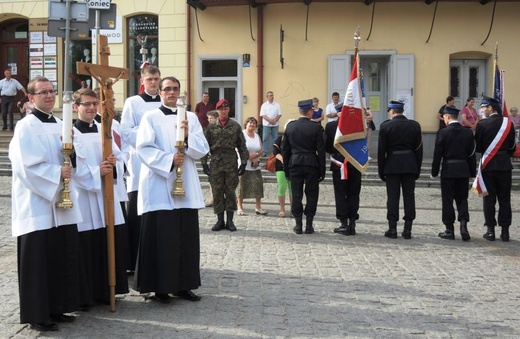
(260, 54)
(188, 55)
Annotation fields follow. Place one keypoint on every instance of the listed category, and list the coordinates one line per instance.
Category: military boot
(220, 225)
(299, 224)
(490, 234)
(229, 223)
(464, 234)
(343, 227)
(392, 231)
(352, 226)
(308, 226)
(449, 233)
(504, 235)
(407, 231)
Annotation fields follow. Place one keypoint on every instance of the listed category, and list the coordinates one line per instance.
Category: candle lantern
(180, 144)
(66, 136)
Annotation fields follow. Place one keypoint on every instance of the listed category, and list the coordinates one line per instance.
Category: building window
(219, 68)
(473, 82)
(143, 45)
(15, 31)
(80, 50)
(455, 81)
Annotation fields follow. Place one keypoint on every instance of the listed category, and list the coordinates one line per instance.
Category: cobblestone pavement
(263, 281)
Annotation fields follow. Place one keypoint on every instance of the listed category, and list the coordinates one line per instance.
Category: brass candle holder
(65, 201)
(178, 190)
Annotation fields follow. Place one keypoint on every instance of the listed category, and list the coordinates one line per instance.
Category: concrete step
(370, 177)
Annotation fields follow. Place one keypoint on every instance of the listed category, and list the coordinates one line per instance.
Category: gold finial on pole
(357, 37)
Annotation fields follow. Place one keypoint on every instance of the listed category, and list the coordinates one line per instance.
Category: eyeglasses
(88, 104)
(45, 93)
(171, 89)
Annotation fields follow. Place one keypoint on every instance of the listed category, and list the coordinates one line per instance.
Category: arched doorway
(14, 49)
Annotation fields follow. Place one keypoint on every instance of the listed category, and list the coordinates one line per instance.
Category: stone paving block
(266, 282)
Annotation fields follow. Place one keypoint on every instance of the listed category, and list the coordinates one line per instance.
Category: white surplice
(155, 143)
(88, 180)
(36, 158)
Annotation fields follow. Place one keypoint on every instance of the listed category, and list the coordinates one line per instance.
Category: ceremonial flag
(499, 91)
(351, 137)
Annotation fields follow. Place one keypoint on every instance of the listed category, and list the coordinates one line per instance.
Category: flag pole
(495, 62)
(357, 39)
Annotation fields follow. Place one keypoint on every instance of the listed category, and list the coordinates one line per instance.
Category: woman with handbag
(251, 184)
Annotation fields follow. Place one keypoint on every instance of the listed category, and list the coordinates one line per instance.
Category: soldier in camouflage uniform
(223, 138)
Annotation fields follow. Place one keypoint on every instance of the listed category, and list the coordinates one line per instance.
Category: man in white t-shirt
(330, 110)
(270, 112)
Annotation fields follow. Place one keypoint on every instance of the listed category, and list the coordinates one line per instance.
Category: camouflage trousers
(224, 182)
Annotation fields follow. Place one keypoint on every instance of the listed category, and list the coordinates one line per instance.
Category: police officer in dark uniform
(399, 159)
(455, 147)
(497, 171)
(346, 191)
(303, 151)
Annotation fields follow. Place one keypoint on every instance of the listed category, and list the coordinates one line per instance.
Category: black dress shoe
(342, 229)
(392, 234)
(163, 298)
(490, 236)
(230, 226)
(504, 236)
(63, 318)
(309, 230)
(465, 236)
(447, 235)
(188, 295)
(407, 234)
(218, 226)
(45, 326)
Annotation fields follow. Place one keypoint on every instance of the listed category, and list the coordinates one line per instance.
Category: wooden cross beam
(106, 76)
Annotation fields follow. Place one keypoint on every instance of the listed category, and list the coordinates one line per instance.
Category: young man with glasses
(133, 110)
(169, 248)
(47, 236)
(90, 168)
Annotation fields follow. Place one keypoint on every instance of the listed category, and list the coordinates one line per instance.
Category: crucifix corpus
(106, 76)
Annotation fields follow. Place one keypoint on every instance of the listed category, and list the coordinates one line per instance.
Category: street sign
(98, 4)
(107, 19)
(58, 11)
(78, 29)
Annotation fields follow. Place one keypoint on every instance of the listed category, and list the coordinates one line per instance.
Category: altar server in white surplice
(47, 236)
(88, 176)
(169, 248)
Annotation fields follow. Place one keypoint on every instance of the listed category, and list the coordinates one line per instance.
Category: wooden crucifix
(106, 76)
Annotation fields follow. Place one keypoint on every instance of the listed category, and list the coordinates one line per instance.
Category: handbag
(270, 164)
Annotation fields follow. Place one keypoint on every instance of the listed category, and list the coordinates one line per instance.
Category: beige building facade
(239, 49)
